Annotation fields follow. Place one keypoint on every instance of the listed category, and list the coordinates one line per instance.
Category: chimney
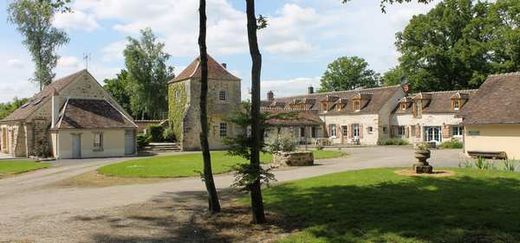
(55, 108)
(224, 65)
(270, 96)
(311, 90)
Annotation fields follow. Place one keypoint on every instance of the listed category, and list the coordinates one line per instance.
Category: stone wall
(445, 121)
(366, 122)
(298, 158)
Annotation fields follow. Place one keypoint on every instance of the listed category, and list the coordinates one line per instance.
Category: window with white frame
(98, 141)
(457, 130)
(332, 129)
(401, 131)
(355, 130)
(222, 95)
(223, 129)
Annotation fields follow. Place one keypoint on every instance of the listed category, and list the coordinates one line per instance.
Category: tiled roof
(293, 118)
(215, 71)
(377, 98)
(40, 98)
(92, 114)
(496, 102)
(436, 102)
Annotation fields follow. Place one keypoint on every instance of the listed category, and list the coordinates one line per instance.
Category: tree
(117, 87)
(257, 204)
(148, 75)
(348, 73)
(214, 204)
(459, 43)
(8, 107)
(33, 19)
(394, 76)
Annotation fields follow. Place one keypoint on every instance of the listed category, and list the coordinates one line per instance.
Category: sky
(302, 38)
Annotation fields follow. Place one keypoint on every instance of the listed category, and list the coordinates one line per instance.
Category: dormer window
(456, 104)
(404, 106)
(222, 95)
(324, 106)
(356, 105)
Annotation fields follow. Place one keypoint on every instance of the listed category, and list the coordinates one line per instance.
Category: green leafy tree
(8, 107)
(213, 202)
(33, 19)
(459, 43)
(118, 88)
(148, 75)
(347, 73)
(394, 76)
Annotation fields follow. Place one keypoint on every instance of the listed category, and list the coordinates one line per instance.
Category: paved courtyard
(33, 209)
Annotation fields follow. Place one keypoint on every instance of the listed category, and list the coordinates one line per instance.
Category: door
(76, 146)
(432, 134)
(129, 142)
(3, 146)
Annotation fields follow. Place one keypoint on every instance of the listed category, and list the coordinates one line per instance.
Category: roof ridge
(505, 74)
(446, 91)
(338, 92)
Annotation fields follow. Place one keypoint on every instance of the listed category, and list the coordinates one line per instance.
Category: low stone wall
(300, 158)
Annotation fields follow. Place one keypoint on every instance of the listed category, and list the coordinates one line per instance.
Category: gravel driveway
(33, 210)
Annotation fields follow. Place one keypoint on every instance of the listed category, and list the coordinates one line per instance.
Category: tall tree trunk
(257, 204)
(214, 204)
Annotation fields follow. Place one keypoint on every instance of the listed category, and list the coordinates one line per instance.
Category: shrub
(393, 141)
(143, 140)
(282, 144)
(484, 164)
(452, 144)
(168, 135)
(156, 133)
(510, 165)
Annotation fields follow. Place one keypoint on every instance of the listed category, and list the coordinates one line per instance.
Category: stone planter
(299, 158)
(422, 167)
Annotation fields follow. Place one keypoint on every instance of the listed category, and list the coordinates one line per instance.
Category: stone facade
(299, 158)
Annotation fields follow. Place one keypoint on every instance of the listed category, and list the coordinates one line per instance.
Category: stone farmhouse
(73, 117)
(224, 96)
(492, 117)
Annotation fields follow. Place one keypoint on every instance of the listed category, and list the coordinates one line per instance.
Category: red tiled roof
(496, 102)
(92, 114)
(215, 71)
(436, 102)
(40, 98)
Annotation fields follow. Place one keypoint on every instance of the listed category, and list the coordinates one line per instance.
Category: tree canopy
(148, 75)
(347, 73)
(459, 43)
(8, 107)
(118, 88)
(33, 19)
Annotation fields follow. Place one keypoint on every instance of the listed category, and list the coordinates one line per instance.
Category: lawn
(12, 167)
(377, 205)
(187, 164)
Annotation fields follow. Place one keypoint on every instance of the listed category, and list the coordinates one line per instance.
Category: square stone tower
(184, 112)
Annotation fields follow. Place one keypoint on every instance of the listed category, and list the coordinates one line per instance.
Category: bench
(488, 154)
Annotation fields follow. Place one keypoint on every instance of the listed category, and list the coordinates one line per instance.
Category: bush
(168, 135)
(393, 141)
(282, 144)
(143, 140)
(156, 133)
(452, 144)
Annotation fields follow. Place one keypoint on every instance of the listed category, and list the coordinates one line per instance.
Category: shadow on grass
(459, 209)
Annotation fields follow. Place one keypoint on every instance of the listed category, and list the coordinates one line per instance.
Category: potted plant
(422, 154)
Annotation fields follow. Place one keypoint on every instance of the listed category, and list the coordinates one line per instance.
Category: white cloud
(15, 63)
(76, 20)
(114, 51)
(68, 62)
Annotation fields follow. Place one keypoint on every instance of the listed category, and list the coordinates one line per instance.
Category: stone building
(73, 117)
(224, 96)
(492, 118)
(430, 116)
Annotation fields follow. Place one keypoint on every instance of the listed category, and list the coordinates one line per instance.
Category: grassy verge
(186, 164)
(378, 205)
(13, 167)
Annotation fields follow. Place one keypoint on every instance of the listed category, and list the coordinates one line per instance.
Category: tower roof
(215, 71)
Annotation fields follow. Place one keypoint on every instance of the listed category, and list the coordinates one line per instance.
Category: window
(456, 104)
(302, 131)
(412, 130)
(223, 130)
(355, 130)
(457, 130)
(344, 131)
(370, 129)
(403, 106)
(356, 105)
(222, 95)
(400, 131)
(324, 106)
(98, 141)
(384, 130)
(314, 132)
(332, 129)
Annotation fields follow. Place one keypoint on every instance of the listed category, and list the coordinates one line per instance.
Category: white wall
(113, 143)
(493, 138)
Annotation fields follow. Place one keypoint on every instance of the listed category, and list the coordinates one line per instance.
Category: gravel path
(32, 210)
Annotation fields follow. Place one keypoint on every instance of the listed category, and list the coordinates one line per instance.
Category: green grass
(187, 164)
(12, 167)
(377, 205)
